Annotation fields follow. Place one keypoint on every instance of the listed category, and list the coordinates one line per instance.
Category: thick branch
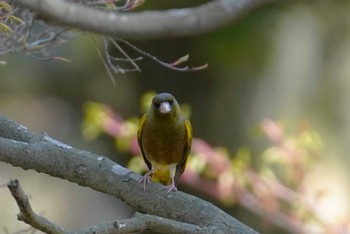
(146, 24)
(54, 158)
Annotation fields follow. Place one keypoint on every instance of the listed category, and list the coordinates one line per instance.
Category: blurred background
(273, 106)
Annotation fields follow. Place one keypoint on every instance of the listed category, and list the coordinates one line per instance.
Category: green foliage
(7, 17)
(95, 116)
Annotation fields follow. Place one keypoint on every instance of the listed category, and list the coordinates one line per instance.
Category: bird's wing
(139, 139)
(180, 168)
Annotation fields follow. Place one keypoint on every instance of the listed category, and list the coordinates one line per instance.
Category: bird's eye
(157, 105)
(171, 102)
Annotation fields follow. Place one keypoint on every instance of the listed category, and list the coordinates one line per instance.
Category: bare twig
(172, 65)
(127, 57)
(110, 60)
(105, 64)
(27, 215)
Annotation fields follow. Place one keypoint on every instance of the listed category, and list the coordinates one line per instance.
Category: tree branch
(22, 148)
(146, 24)
(27, 215)
(140, 222)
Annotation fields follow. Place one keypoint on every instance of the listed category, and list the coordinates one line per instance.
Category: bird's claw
(145, 179)
(171, 187)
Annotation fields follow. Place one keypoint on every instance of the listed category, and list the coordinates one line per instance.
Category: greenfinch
(164, 137)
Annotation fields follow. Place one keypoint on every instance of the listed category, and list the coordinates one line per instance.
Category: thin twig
(107, 66)
(120, 49)
(126, 58)
(168, 65)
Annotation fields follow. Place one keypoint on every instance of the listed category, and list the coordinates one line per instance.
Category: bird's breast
(164, 144)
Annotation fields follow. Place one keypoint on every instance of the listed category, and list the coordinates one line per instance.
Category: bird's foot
(146, 179)
(171, 187)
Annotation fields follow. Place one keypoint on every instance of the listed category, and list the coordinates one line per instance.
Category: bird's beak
(165, 107)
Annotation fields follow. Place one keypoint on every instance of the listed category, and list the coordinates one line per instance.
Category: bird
(164, 137)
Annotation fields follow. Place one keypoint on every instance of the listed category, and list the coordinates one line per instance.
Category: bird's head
(164, 104)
